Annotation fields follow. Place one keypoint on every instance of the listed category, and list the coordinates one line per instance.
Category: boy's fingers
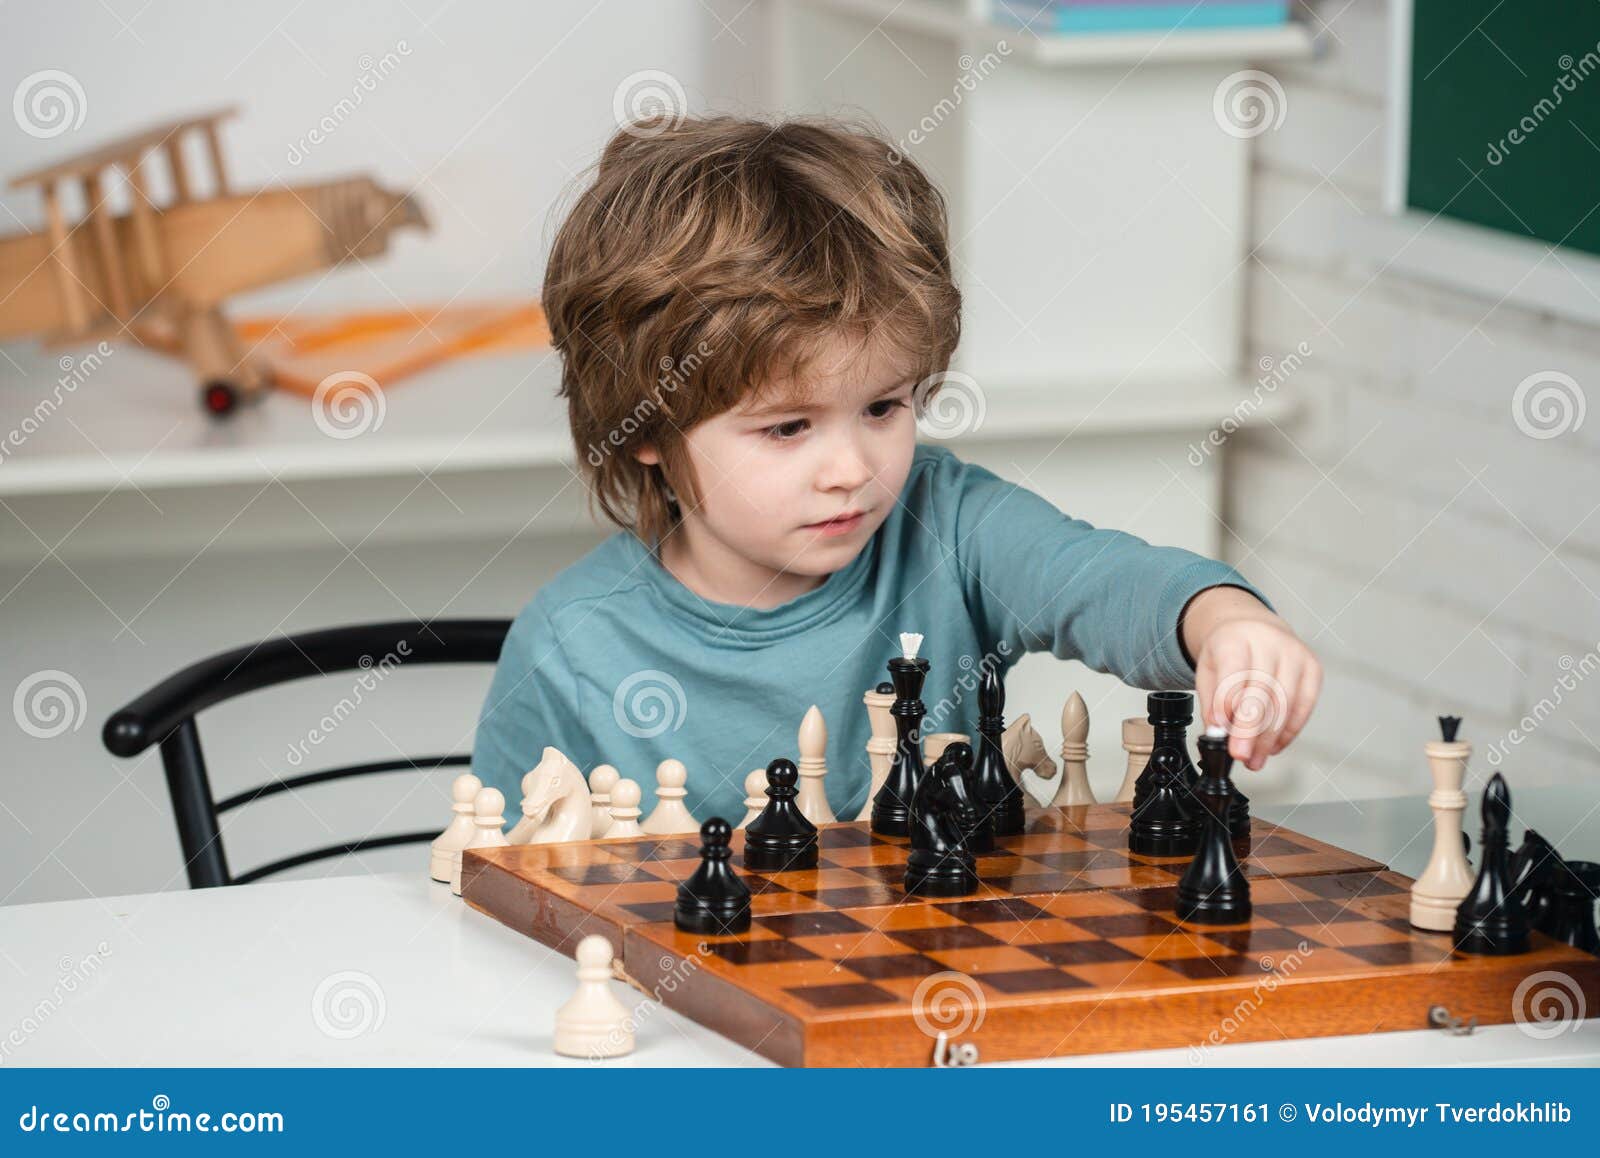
(1271, 697)
(1305, 699)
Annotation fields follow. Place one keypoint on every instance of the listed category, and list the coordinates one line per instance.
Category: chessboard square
(1316, 913)
(1160, 947)
(1343, 934)
(759, 884)
(991, 911)
(854, 834)
(1129, 974)
(843, 995)
(676, 848)
(1078, 861)
(860, 896)
(890, 919)
(1053, 843)
(1038, 980)
(1216, 968)
(1127, 925)
(905, 963)
(1048, 930)
(1025, 884)
(1260, 939)
(854, 856)
(1089, 904)
(601, 874)
(762, 952)
(949, 937)
(846, 947)
(1088, 952)
(1413, 952)
(819, 879)
(984, 959)
(651, 910)
(1299, 867)
(783, 974)
(1161, 900)
(811, 924)
(1353, 887)
(771, 904)
(1274, 845)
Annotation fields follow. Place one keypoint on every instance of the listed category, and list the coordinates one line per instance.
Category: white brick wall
(1438, 558)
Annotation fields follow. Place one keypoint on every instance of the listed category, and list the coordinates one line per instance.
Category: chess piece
(713, 901)
(813, 798)
(1074, 788)
(1212, 890)
(1569, 914)
(625, 797)
(755, 796)
(1531, 875)
(940, 864)
(781, 838)
(880, 746)
(998, 795)
(935, 743)
(593, 1023)
(601, 781)
(1439, 891)
(977, 827)
(1491, 920)
(445, 852)
(891, 807)
(1138, 738)
(1024, 750)
(488, 808)
(670, 815)
(1162, 822)
(555, 803)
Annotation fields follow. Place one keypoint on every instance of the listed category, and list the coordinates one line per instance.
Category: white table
(231, 977)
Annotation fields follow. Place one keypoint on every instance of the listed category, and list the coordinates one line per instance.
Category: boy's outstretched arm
(1253, 675)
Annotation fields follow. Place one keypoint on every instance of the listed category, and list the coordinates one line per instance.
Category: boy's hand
(1253, 675)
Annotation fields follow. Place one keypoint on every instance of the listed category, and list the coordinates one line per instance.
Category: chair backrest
(165, 715)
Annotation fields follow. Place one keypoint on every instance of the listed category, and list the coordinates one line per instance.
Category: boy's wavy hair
(707, 260)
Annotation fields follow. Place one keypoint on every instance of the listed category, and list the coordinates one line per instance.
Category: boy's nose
(845, 468)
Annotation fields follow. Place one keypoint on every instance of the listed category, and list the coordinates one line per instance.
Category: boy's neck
(717, 574)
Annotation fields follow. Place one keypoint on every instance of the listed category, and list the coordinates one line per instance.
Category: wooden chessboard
(1071, 946)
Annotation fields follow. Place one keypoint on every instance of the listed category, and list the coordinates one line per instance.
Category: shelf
(950, 18)
(136, 424)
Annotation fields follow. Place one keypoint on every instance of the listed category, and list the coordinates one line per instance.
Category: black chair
(165, 715)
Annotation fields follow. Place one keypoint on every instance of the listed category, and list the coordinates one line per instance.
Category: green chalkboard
(1505, 116)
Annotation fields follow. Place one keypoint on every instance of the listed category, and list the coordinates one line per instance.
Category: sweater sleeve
(1042, 581)
(532, 702)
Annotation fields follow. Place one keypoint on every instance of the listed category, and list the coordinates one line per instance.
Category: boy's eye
(884, 407)
(785, 430)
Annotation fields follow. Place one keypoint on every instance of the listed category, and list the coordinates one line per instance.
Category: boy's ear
(647, 454)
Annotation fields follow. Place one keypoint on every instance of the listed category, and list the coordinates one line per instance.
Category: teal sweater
(616, 662)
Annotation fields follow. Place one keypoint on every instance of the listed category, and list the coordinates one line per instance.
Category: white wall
(1440, 559)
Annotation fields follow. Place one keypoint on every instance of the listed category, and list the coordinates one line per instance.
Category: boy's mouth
(839, 524)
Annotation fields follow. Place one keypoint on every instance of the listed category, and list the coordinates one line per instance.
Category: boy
(748, 316)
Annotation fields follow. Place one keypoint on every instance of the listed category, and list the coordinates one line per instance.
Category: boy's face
(790, 490)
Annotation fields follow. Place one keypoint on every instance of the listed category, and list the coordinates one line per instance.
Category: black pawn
(977, 827)
(891, 807)
(781, 838)
(998, 794)
(940, 864)
(1166, 813)
(1212, 890)
(713, 901)
(1491, 921)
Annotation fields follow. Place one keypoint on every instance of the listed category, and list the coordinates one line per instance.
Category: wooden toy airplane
(160, 273)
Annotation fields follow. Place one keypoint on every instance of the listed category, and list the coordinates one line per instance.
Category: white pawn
(445, 851)
(488, 808)
(624, 810)
(755, 795)
(601, 781)
(813, 798)
(593, 1023)
(670, 815)
(1138, 741)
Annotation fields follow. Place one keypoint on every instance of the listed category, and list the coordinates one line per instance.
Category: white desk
(229, 977)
